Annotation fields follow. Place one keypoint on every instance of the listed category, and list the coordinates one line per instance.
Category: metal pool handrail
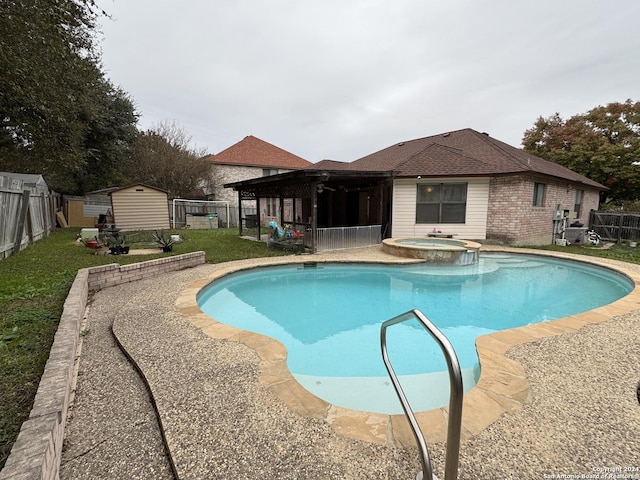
(455, 397)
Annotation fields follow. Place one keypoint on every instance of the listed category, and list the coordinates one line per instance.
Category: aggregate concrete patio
(559, 398)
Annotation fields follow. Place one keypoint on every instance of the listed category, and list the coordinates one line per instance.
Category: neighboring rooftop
(253, 152)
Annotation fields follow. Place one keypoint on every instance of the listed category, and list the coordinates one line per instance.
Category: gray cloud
(340, 79)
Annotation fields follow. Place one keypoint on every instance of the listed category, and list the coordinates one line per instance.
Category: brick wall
(114, 274)
(37, 451)
(512, 217)
(229, 174)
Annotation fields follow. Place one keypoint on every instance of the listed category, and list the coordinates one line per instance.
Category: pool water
(328, 316)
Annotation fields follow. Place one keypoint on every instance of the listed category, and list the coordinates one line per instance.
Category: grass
(622, 252)
(34, 285)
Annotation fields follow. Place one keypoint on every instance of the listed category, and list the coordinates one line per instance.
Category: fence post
(45, 214)
(620, 222)
(26, 194)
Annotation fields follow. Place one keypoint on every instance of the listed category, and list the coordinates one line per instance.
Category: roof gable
(253, 152)
(113, 190)
(329, 165)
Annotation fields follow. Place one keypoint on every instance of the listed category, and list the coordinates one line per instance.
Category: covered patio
(327, 209)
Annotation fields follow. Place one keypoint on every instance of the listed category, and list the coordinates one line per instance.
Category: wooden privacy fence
(616, 226)
(25, 217)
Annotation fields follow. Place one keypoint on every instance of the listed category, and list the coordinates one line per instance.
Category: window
(538, 194)
(267, 172)
(577, 207)
(271, 207)
(441, 203)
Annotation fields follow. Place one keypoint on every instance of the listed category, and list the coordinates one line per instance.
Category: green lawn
(33, 287)
(35, 283)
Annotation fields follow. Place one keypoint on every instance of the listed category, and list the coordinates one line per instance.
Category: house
(251, 158)
(464, 182)
(24, 181)
(140, 207)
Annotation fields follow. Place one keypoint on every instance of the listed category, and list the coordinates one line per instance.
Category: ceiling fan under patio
(322, 187)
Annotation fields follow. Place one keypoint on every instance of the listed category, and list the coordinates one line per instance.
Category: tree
(108, 141)
(54, 98)
(163, 158)
(602, 144)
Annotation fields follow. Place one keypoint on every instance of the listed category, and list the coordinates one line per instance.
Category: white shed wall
(404, 209)
(140, 208)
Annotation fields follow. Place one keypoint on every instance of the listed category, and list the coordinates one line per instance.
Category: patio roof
(299, 183)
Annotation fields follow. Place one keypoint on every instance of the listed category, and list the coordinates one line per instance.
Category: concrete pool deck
(553, 398)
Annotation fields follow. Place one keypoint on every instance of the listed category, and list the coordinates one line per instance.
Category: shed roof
(253, 152)
(110, 191)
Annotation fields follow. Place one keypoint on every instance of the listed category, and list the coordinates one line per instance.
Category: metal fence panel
(336, 238)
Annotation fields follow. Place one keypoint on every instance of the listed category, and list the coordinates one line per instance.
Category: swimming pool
(299, 306)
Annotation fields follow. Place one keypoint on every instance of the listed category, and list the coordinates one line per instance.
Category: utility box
(576, 234)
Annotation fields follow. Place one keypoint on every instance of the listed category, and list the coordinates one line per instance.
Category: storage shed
(140, 207)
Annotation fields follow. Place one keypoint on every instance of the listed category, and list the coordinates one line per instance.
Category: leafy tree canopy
(59, 116)
(602, 144)
(163, 158)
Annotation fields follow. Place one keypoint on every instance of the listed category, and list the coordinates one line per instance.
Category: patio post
(258, 214)
(240, 211)
(314, 217)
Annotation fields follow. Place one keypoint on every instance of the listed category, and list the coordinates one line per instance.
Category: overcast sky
(339, 79)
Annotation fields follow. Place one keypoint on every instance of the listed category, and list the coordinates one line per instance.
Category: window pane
(427, 213)
(456, 192)
(577, 207)
(428, 193)
(453, 213)
(538, 194)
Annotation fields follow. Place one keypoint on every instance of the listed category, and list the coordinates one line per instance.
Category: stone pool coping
(447, 253)
(502, 388)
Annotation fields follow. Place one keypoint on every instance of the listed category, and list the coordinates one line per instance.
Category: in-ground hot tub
(440, 251)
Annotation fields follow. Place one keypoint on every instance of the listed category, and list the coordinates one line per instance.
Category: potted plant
(117, 244)
(122, 244)
(112, 243)
(163, 240)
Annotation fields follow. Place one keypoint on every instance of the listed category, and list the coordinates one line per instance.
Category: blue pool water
(329, 315)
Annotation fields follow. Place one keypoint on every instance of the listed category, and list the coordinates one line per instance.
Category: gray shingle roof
(461, 153)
